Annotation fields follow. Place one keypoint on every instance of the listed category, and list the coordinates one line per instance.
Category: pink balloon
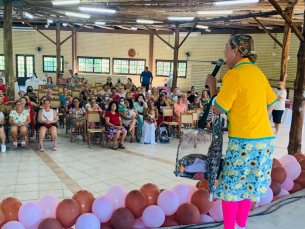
(267, 199)
(88, 221)
(30, 215)
(270, 181)
(13, 225)
(103, 208)
(216, 211)
(282, 194)
(118, 195)
(287, 158)
(138, 224)
(191, 192)
(206, 219)
(153, 216)
(182, 190)
(287, 184)
(49, 204)
(293, 169)
(169, 201)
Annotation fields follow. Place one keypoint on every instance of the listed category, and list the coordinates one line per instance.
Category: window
(25, 65)
(50, 64)
(128, 66)
(94, 64)
(2, 66)
(166, 66)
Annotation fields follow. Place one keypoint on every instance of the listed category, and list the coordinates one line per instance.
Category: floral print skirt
(111, 131)
(246, 170)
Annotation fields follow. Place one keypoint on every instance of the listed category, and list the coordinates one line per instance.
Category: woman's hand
(211, 81)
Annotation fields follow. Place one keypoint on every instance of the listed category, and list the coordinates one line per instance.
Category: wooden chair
(55, 104)
(98, 85)
(94, 116)
(76, 94)
(169, 112)
(72, 132)
(41, 94)
(185, 118)
(143, 90)
(43, 87)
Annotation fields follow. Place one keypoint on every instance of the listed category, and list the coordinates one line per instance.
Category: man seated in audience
(5, 99)
(105, 90)
(86, 93)
(61, 80)
(118, 83)
(191, 95)
(114, 96)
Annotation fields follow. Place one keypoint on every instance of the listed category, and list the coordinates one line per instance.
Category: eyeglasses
(75, 102)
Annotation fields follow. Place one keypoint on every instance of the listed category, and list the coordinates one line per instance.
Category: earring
(233, 56)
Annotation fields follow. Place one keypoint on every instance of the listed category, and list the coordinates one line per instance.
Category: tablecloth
(34, 84)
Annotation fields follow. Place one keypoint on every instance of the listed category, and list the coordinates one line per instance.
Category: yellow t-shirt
(245, 95)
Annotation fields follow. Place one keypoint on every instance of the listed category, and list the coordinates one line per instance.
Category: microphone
(216, 69)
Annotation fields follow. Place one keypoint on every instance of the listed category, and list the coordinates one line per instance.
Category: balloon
(118, 195)
(67, 212)
(192, 190)
(282, 194)
(136, 203)
(182, 190)
(201, 199)
(296, 187)
(275, 187)
(103, 208)
(161, 190)
(49, 204)
(278, 174)
(302, 164)
(203, 184)
(50, 223)
(188, 214)
(293, 169)
(287, 158)
(276, 162)
(2, 218)
(88, 221)
(30, 215)
(267, 199)
(287, 185)
(216, 211)
(301, 179)
(151, 193)
(170, 222)
(206, 219)
(299, 156)
(10, 207)
(13, 225)
(153, 216)
(85, 200)
(169, 201)
(106, 226)
(122, 218)
(139, 224)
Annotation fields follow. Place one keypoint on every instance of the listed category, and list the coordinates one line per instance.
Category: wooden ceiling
(128, 11)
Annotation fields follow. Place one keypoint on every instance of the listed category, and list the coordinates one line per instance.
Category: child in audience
(152, 116)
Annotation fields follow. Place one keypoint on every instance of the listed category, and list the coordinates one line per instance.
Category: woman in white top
(2, 133)
(130, 118)
(121, 92)
(47, 118)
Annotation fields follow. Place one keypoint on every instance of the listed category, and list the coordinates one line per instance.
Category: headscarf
(245, 45)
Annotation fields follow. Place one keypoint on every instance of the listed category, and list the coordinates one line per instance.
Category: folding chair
(185, 118)
(55, 104)
(94, 116)
(169, 112)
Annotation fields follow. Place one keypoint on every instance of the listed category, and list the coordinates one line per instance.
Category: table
(289, 104)
(35, 85)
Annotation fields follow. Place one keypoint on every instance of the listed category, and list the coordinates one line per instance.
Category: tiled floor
(24, 175)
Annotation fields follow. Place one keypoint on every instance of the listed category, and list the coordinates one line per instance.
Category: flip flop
(15, 144)
(54, 149)
(22, 143)
(41, 149)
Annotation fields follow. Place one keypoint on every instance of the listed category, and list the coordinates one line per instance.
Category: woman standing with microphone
(247, 98)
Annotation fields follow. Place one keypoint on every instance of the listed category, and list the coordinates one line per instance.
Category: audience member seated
(133, 89)
(205, 99)
(174, 95)
(109, 83)
(122, 106)
(128, 96)
(3, 107)
(185, 101)
(114, 126)
(118, 83)
(77, 115)
(130, 118)
(77, 79)
(25, 104)
(94, 107)
(154, 94)
(29, 89)
(160, 104)
(148, 95)
(121, 92)
(50, 94)
(61, 80)
(68, 82)
(96, 96)
(73, 84)
(5, 99)
(139, 91)
(83, 81)
(2, 132)
(31, 105)
(86, 93)
(19, 119)
(141, 106)
(197, 103)
(179, 107)
(129, 82)
(105, 90)
(114, 96)
(36, 111)
(68, 103)
(150, 125)
(2, 86)
(47, 119)
(191, 94)
(49, 82)
(20, 94)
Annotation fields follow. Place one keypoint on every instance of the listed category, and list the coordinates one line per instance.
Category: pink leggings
(233, 210)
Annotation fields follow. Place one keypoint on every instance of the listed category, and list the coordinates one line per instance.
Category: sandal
(114, 147)
(22, 143)
(131, 140)
(15, 144)
(54, 149)
(121, 146)
(41, 149)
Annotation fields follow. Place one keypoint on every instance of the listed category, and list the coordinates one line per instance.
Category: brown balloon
(302, 163)
(170, 222)
(50, 223)
(151, 193)
(67, 212)
(188, 214)
(106, 226)
(296, 187)
(275, 187)
(299, 156)
(2, 218)
(10, 207)
(203, 184)
(162, 190)
(276, 162)
(201, 199)
(136, 202)
(301, 179)
(278, 174)
(85, 201)
(122, 218)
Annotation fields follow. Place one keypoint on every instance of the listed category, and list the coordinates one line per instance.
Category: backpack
(164, 134)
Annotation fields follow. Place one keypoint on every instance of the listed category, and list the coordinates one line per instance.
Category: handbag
(45, 124)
